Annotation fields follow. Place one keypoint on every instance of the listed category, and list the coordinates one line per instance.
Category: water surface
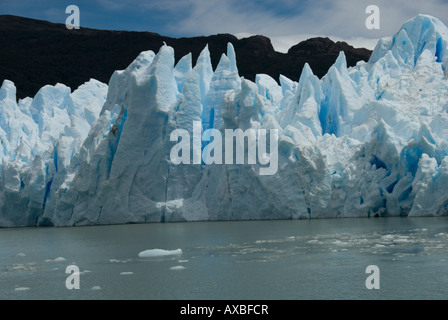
(288, 259)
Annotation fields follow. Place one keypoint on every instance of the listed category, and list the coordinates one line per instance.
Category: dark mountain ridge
(35, 53)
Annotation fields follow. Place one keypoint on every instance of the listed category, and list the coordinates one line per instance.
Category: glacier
(369, 140)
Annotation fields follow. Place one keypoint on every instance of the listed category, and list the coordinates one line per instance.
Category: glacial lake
(250, 260)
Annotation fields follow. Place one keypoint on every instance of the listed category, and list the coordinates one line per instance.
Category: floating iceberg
(176, 268)
(154, 253)
(362, 141)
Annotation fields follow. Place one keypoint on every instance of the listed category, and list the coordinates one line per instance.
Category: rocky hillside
(35, 53)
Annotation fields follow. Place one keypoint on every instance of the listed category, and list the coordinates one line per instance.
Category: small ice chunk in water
(126, 272)
(95, 288)
(59, 259)
(177, 268)
(18, 266)
(159, 253)
(20, 254)
(22, 289)
(117, 261)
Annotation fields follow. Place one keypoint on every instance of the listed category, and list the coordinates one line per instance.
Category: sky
(286, 22)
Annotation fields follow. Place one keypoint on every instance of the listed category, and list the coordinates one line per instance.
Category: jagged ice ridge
(366, 140)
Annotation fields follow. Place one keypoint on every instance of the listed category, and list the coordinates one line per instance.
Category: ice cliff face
(361, 141)
(38, 140)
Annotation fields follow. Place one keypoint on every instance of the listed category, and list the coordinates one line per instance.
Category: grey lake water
(274, 260)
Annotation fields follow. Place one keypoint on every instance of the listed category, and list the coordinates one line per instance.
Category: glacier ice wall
(362, 141)
(38, 140)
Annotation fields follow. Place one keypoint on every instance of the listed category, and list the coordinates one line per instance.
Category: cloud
(146, 6)
(285, 19)
(281, 20)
